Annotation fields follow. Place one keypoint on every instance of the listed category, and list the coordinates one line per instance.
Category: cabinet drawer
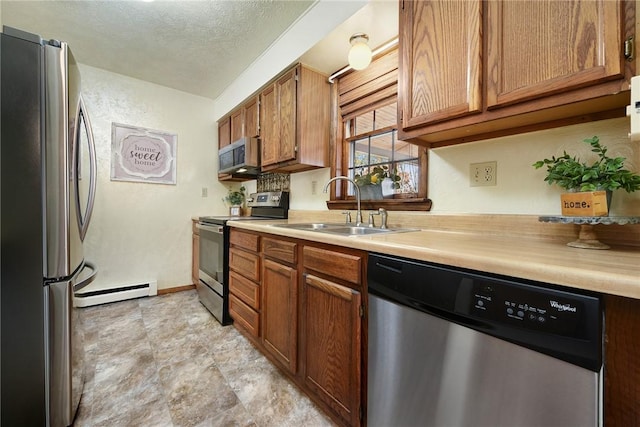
(244, 240)
(245, 263)
(279, 249)
(244, 316)
(244, 289)
(336, 264)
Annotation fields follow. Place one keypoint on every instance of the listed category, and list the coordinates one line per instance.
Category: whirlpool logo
(562, 307)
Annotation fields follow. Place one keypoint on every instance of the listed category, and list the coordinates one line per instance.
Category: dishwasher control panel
(561, 322)
(548, 311)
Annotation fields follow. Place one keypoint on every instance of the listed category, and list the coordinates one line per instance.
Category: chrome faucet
(346, 178)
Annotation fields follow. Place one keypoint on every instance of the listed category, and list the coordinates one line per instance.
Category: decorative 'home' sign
(144, 155)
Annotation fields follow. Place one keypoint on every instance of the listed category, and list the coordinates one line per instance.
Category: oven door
(211, 287)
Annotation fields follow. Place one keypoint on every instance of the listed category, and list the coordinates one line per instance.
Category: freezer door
(66, 347)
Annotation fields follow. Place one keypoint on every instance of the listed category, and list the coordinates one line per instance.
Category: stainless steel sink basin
(343, 229)
(314, 226)
(353, 230)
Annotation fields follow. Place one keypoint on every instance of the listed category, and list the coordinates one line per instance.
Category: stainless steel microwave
(240, 157)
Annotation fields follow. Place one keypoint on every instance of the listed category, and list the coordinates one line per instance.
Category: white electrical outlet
(205, 191)
(483, 174)
(314, 188)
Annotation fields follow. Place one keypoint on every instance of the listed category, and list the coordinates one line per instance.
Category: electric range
(213, 274)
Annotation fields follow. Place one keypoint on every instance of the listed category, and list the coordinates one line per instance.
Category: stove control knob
(275, 198)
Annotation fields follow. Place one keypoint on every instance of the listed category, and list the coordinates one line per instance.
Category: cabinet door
(252, 118)
(287, 106)
(440, 61)
(237, 125)
(279, 312)
(270, 126)
(332, 347)
(536, 48)
(224, 132)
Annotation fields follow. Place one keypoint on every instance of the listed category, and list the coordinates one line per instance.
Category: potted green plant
(371, 183)
(605, 173)
(235, 199)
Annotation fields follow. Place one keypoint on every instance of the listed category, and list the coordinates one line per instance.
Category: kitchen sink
(312, 226)
(343, 229)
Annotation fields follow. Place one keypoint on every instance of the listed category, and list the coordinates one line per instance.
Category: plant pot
(387, 188)
(586, 203)
(371, 192)
(235, 210)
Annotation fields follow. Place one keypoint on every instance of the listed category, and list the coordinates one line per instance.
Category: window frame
(339, 198)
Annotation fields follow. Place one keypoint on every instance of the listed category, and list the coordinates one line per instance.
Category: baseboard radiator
(120, 293)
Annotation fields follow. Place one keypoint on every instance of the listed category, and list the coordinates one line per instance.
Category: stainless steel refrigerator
(48, 181)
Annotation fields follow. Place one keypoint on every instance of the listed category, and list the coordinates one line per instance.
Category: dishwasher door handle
(388, 267)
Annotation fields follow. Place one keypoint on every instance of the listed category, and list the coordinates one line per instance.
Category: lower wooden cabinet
(244, 315)
(279, 312)
(244, 281)
(310, 315)
(332, 345)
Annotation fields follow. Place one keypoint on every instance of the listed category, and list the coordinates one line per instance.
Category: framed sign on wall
(142, 155)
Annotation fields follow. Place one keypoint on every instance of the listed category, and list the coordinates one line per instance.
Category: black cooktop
(222, 220)
(265, 205)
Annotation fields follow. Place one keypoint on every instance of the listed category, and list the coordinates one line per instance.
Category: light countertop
(615, 271)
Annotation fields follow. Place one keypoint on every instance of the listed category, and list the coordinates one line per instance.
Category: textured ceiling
(194, 46)
(199, 46)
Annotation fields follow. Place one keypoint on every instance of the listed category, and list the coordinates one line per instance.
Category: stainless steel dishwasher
(450, 347)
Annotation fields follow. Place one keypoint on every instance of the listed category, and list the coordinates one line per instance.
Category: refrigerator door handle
(86, 279)
(93, 175)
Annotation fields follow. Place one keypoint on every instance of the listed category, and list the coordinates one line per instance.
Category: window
(368, 140)
(374, 144)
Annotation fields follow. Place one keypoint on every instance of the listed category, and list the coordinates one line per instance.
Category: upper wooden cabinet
(294, 113)
(440, 68)
(472, 70)
(252, 118)
(224, 132)
(242, 122)
(237, 125)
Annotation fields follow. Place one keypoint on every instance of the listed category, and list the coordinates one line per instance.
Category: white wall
(142, 231)
(520, 188)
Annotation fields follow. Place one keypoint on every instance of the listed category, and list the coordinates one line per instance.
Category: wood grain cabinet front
(311, 315)
(332, 311)
(224, 132)
(474, 69)
(245, 263)
(244, 315)
(280, 312)
(280, 300)
(244, 281)
(295, 121)
(331, 345)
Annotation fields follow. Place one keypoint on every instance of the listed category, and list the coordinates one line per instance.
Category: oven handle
(212, 228)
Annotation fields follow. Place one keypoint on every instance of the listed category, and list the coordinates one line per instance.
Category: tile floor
(165, 361)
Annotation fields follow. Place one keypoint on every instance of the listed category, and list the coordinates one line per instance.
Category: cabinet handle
(630, 49)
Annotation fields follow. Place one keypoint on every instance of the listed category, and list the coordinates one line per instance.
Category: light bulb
(360, 52)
